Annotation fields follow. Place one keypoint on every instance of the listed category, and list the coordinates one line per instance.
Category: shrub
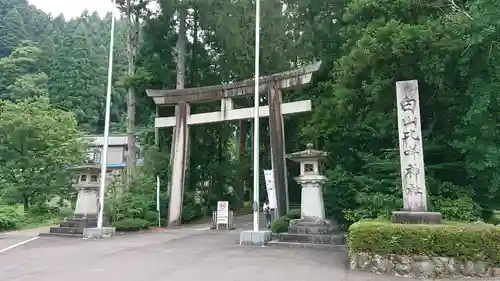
(462, 209)
(495, 219)
(66, 212)
(191, 211)
(280, 226)
(152, 217)
(294, 214)
(10, 217)
(131, 224)
(463, 241)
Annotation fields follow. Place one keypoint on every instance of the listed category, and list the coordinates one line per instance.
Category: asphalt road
(175, 255)
(9, 239)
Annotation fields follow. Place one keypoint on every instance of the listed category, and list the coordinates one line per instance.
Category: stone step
(79, 224)
(329, 247)
(313, 229)
(314, 223)
(66, 235)
(312, 238)
(67, 230)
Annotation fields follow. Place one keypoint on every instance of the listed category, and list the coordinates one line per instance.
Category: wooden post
(240, 189)
(157, 130)
(277, 147)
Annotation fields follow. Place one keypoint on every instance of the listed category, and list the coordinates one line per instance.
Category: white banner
(157, 193)
(271, 190)
(222, 212)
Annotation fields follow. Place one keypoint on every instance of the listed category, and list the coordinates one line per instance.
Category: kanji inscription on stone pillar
(410, 147)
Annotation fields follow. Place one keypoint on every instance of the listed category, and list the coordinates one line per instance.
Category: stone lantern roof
(309, 154)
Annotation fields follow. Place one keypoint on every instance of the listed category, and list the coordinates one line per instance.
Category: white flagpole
(104, 154)
(158, 199)
(256, 148)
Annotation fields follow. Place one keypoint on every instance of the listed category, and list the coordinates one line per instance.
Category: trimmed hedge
(463, 241)
(131, 224)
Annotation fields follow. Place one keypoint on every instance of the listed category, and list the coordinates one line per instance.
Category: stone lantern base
(84, 220)
(312, 231)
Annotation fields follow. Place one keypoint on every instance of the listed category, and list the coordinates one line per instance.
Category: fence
(230, 220)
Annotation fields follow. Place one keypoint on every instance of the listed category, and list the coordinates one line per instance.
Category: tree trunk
(181, 50)
(26, 202)
(133, 34)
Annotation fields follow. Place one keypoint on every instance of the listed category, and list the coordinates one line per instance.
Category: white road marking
(200, 229)
(19, 244)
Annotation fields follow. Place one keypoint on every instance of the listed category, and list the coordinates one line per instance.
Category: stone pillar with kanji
(411, 155)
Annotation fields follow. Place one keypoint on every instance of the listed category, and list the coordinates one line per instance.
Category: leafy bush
(152, 217)
(10, 217)
(280, 226)
(494, 218)
(294, 214)
(462, 209)
(464, 241)
(191, 211)
(66, 212)
(131, 224)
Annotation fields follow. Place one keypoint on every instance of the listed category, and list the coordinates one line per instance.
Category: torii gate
(181, 98)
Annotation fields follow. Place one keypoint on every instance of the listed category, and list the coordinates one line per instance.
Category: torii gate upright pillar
(277, 135)
(178, 165)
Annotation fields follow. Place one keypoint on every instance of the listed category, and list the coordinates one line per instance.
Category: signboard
(222, 212)
(271, 189)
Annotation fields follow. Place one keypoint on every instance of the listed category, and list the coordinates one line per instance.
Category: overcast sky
(72, 8)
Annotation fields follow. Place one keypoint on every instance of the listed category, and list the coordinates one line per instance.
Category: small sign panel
(222, 212)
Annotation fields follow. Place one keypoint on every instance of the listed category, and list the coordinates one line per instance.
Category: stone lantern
(311, 205)
(312, 227)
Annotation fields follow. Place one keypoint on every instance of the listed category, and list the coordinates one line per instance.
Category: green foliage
(293, 214)
(132, 205)
(355, 119)
(11, 217)
(131, 224)
(462, 209)
(495, 219)
(66, 212)
(38, 144)
(12, 30)
(463, 241)
(151, 217)
(20, 73)
(280, 225)
(191, 211)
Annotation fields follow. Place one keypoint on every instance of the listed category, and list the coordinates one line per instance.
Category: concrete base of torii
(255, 238)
